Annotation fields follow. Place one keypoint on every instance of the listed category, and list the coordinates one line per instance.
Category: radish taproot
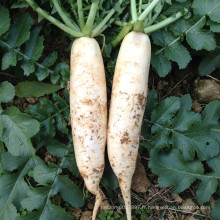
(88, 109)
(129, 93)
(88, 96)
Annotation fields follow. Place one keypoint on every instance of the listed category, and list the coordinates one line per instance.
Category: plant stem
(133, 10)
(163, 23)
(53, 20)
(140, 5)
(103, 22)
(99, 27)
(80, 14)
(121, 23)
(90, 20)
(125, 30)
(65, 17)
(146, 12)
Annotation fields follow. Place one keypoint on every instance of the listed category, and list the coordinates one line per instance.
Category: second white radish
(129, 93)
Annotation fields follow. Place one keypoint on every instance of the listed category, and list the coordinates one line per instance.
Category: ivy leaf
(16, 130)
(35, 89)
(5, 20)
(212, 9)
(7, 92)
(210, 63)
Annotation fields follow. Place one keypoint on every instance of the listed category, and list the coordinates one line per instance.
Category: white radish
(88, 109)
(129, 93)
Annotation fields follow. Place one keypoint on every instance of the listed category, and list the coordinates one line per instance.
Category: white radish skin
(129, 93)
(88, 109)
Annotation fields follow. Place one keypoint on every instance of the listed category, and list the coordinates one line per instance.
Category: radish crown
(142, 19)
(83, 28)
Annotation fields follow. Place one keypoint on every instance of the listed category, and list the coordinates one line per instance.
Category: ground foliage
(183, 145)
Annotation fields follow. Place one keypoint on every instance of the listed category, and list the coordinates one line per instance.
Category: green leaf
(56, 148)
(61, 68)
(44, 174)
(216, 210)
(33, 51)
(161, 64)
(16, 130)
(199, 38)
(46, 121)
(35, 89)
(186, 102)
(196, 37)
(70, 163)
(20, 30)
(109, 179)
(13, 189)
(178, 53)
(210, 63)
(214, 27)
(152, 101)
(31, 215)
(209, 185)
(43, 71)
(9, 59)
(212, 9)
(211, 113)
(69, 191)
(10, 162)
(185, 130)
(166, 110)
(5, 20)
(35, 198)
(54, 212)
(7, 92)
(173, 170)
(173, 49)
(9, 212)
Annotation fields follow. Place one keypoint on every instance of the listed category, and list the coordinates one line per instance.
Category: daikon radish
(129, 92)
(88, 109)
